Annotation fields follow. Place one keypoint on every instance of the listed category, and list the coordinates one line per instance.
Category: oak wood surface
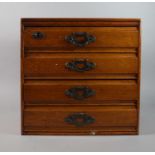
(116, 103)
(74, 22)
(105, 36)
(54, 118)
(53, 65)
(76, 50)
(43, 92)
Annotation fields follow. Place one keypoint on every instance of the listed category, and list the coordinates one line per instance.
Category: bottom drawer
(92, 120)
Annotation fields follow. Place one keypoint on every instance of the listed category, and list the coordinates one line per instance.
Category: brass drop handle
(86, 39)
(79, 119)
(80, 65)
(80, 92)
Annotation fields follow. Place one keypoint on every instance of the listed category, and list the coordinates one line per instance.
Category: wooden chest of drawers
(80, 76)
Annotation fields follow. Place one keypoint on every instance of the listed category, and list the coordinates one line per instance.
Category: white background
(10, 138)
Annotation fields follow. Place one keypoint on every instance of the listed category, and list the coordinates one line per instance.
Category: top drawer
(81, 37)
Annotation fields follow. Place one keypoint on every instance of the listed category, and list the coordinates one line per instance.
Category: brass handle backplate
(79, 119)
(80, 92)
(80, 39)
(80, 65)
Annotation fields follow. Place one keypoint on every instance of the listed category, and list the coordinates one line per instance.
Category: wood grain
(116, 78)
(72, 50)
(53, 65)
(53, 118)
(105, 36)
(85, 22)
(52, 92)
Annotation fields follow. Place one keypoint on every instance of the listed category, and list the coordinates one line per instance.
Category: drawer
(73, 37)
(79, 91)
(89, 120)
(78, 66)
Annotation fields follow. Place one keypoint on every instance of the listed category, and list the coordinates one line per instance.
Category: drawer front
(81, 37)
(80, 65)
(79, 91)
(77, 118)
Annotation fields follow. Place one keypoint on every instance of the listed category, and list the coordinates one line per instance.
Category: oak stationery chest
(80, 76)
